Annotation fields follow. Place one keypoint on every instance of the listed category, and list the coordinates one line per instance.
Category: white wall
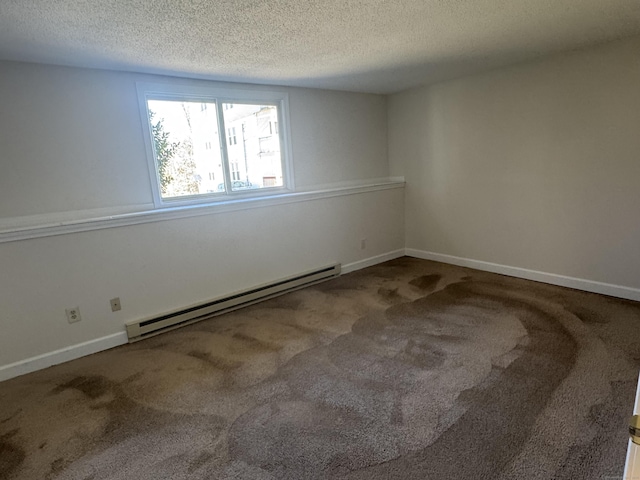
(535, 166)
(71, 140)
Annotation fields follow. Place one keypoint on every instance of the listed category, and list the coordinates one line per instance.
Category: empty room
(319, 240)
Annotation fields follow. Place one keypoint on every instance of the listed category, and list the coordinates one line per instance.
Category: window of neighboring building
(189, 150)
(231, 133)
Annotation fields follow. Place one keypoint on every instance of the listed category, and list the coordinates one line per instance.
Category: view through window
(190, 160)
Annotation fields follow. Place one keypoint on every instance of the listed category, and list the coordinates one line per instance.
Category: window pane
(253, 146)
(186, 146)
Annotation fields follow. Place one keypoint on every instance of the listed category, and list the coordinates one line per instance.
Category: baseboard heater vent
(141, 329)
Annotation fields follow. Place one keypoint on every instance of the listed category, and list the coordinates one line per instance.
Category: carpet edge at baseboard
(592, 286)
(371, 261)
(66, 354)
(72, 352)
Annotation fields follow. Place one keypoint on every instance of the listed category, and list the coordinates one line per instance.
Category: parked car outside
(238, 185)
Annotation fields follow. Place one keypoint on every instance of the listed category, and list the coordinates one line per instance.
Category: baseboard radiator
(145, 328)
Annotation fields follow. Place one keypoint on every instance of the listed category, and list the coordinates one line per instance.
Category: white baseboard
(561, 280)
(371, 261)
(94, 346)
(63, 355)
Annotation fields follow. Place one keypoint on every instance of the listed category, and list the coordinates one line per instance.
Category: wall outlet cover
(73, 314)
(115, 304)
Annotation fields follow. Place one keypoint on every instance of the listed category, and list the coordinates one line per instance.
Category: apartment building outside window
(204, 143)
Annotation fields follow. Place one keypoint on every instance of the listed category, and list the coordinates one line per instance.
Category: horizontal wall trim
(551, 278)
(12, 230)
(63, 355)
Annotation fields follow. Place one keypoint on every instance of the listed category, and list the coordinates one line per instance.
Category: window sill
(24, 228)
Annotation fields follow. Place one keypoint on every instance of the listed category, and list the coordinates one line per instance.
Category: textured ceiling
(361, 45)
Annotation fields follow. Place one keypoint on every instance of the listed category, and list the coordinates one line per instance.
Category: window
(204, 143)
(235, 171)
(231, 135)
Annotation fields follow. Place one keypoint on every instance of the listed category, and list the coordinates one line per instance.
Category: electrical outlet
(73, 314)
(115, 304)
(363, 244)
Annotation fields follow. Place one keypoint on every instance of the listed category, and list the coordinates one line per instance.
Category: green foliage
(185, 170)
(165, 151)
(176, 164)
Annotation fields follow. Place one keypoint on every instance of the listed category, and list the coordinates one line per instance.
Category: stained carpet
(410, 369)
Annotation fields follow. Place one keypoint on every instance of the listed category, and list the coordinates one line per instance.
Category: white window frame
(220, 95)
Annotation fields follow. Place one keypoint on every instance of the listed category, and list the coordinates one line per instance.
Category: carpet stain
(589, 316)
(499, 413)
(445, 338)
(218, 363)
(11, 458)
(252, 343)
(11, 417)
(10, 434)
(91, 386)
(390, 295)
(337, 285)
(607, 440)
(426, 282)
(368, 382)
(301, 328)
(57, 466)
(201, 460)
(285, 302)
(421, 355)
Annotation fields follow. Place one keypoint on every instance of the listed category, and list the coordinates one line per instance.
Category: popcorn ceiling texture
(368, 45)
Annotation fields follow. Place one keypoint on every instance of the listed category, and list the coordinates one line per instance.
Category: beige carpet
(410, 370)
